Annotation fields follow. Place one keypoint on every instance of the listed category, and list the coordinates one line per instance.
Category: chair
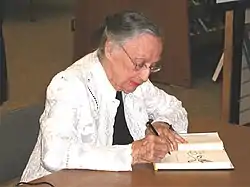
(18, 135)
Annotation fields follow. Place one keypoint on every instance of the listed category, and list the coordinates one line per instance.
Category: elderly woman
(96, 110)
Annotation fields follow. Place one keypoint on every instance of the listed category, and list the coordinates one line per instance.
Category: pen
(149, 124)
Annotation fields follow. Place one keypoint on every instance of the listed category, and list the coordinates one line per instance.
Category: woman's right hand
(150, 149)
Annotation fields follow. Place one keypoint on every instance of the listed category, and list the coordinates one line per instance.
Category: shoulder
(73, 80)
(83, 67)
(75, 76)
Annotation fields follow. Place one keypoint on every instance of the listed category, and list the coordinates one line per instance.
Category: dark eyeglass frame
(138, 67)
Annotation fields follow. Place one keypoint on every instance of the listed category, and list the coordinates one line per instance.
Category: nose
(144, 74)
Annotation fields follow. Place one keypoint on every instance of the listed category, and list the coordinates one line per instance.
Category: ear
(108, 49)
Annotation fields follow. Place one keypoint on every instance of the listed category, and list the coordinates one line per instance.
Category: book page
(198, 141)
(203, 159)
(200, 156)
(202, 137)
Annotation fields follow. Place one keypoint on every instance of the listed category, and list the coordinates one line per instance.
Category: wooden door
(170, 15)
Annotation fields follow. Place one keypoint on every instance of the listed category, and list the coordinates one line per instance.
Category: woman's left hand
(165, 131)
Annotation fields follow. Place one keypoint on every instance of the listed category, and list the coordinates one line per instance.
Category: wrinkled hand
(150, 149)
(168, 134)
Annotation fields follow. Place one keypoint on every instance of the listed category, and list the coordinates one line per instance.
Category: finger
(162, 130)
(158, 158)
(157, 147)
(160, 154)
(160, 149)
(151, 149)
(156, 139)
(179, 139)
(154, 156)
(171, 137)
(159, 141)
(166, 132)
(163, 144)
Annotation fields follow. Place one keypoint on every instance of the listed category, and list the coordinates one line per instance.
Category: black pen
(149, 124)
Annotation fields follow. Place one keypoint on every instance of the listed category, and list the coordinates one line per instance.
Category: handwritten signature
(197, 156)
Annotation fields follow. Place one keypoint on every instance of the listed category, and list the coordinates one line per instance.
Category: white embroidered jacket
(76, 127)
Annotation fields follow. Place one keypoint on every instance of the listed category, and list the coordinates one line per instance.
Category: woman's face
(131, 62)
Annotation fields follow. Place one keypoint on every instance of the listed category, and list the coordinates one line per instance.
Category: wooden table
(237, 143)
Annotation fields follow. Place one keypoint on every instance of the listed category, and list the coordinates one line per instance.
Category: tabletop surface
(237, 145)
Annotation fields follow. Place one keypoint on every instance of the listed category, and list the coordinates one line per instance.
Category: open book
(203, 151)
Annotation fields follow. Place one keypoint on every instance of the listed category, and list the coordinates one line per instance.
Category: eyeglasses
(138, 67)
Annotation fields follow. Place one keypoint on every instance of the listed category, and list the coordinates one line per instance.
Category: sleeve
(63, 147)
(164, 107)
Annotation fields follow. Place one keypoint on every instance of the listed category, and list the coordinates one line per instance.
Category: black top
(121, 134)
